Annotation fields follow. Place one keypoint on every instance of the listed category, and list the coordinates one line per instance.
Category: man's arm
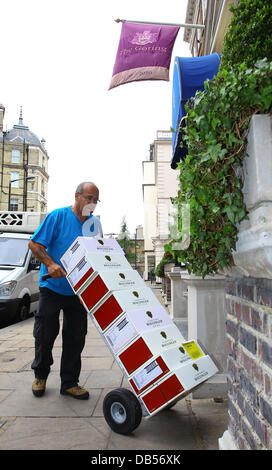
(39, 251)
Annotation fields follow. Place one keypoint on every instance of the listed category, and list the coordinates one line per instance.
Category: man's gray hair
(79, 188)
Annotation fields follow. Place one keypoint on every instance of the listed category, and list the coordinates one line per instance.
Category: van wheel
(23, 309)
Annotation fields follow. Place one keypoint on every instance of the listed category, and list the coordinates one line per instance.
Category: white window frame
(14, 201)
(15, 156)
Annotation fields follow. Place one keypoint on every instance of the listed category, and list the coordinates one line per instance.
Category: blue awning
(189, 76)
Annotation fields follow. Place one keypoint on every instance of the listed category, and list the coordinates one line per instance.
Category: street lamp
(13, 181)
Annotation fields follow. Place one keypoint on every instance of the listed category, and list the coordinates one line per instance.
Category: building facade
(23, 168)
(160, 183)
(215, 15)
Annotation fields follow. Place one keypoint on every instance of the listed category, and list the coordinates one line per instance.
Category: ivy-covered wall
(211, 179)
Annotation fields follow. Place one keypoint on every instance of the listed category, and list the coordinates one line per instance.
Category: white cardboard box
(91, 263)
(178, 383)
(83, 245)
(168, 361)
(161, 339)
(147, 375)
(132, 323)
(102, 284)
(148, 319)
(178, 356)
(192, 374)
(80, 274)
(148, 345)
(163, 392)
(119, 302)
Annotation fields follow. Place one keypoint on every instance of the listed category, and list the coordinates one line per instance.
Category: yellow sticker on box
(193, 349)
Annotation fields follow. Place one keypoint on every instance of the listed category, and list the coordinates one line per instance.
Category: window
(14, 204)
(15, 156)
(13, 251)
(14, 175)
(151, 152)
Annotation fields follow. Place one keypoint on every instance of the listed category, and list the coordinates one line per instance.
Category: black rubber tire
(23, 309)
(122, 411)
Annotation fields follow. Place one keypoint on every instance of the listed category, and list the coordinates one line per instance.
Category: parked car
(19, 270)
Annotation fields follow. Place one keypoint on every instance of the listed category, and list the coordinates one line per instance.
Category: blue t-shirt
(57, 232)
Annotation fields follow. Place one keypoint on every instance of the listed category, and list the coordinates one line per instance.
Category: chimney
(2, 112)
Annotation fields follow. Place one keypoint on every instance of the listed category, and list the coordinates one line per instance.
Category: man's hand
(55, 270)
(39, 251)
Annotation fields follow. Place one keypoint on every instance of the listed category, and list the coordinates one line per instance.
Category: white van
(19, 269)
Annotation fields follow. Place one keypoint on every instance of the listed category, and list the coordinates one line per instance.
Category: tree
(125, 242)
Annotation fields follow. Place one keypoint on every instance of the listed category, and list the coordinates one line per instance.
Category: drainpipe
(26, 172)
(3, 157)
(24, 181)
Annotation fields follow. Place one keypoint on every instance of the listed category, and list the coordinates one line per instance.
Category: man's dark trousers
(46, 329)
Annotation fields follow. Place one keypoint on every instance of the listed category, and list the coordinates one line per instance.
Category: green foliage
(125, 242)
(166, 259)
(249, 35)
(211, 177)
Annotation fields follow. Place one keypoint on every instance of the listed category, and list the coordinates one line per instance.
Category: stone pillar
(166, 284)
(178, 308)
(207, 323)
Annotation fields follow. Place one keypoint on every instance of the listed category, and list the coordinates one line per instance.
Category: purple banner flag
(144, 53)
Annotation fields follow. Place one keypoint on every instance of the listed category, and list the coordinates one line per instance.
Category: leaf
(205, 158)
(230, 214)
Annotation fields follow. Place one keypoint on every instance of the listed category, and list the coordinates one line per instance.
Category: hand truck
(160, 365)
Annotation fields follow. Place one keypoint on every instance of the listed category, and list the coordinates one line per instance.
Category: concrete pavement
(57, 422)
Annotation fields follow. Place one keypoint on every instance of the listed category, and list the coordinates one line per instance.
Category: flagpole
(184, 25)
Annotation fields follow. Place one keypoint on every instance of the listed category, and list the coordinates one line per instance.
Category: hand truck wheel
(122, 411)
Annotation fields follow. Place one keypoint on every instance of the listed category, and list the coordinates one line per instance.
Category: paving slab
(55, 434)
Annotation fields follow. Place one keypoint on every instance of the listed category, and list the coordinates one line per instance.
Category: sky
(57, 61)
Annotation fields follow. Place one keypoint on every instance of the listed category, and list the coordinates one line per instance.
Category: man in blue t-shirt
(52, 238)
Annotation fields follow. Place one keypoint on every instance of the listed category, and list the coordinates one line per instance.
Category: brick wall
(249, 342)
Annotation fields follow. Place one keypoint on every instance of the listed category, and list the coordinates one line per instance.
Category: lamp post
(13, 181)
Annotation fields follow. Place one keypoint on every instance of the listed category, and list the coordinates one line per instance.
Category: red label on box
(94, 292)
(83, 279)
(107, 312)
(135, 355)
(163, 393)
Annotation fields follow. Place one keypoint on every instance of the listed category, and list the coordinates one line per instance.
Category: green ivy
(166, 259)
(249, 35)
(211, 179)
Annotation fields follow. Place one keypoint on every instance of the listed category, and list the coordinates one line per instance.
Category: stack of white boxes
(161, 366)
